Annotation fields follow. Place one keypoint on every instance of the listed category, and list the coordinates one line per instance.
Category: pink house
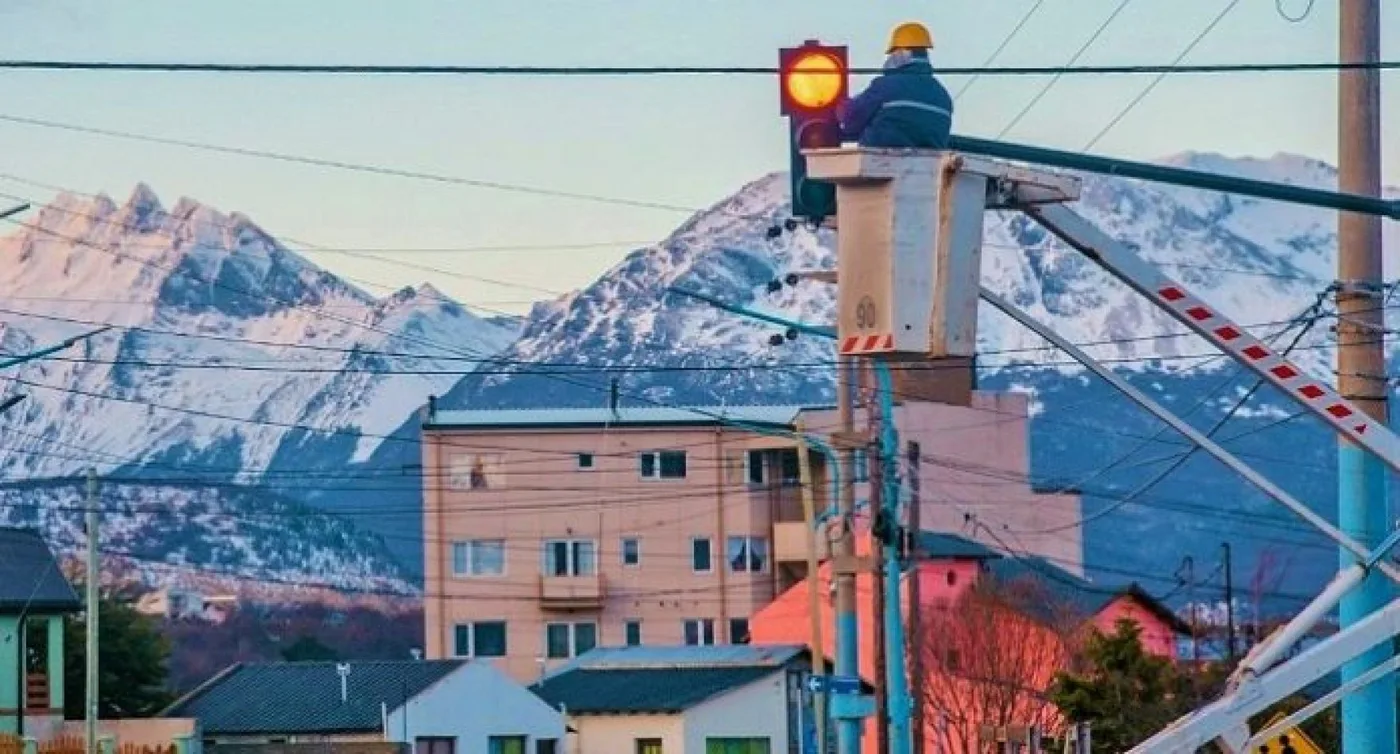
(988, 653)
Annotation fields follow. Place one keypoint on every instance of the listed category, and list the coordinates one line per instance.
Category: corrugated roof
(304, 697)
(30, 577)
(766, 416)
(659, 679)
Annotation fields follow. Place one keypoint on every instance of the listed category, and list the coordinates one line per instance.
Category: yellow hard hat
(910, 35)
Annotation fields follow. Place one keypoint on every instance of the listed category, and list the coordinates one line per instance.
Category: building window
(755, 467)
(585, 460)
(632, 631)
(737, 746)
(952, 578)
(434, 745)
(485, 638)
(631, 551)
(699, 631)
(546, 746)
(738, 630)
(747, 554)
(505, 745)
(649, 746)
(569, 557)
(479, 557)
(792, 472)
(476, 471)
(663, 464)
(700, 555)
(564, 640)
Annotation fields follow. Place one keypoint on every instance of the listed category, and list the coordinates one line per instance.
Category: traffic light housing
(813, 83)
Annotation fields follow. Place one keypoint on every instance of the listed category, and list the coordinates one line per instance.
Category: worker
(906, 106)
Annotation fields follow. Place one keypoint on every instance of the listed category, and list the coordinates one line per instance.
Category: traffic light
(814, 82)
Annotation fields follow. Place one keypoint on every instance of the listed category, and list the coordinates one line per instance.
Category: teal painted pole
(1368, 714)
(896, 680)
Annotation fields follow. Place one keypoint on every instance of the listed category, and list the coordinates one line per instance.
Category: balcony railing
(572, 592)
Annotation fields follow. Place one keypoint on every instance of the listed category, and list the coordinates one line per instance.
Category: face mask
(898, 58)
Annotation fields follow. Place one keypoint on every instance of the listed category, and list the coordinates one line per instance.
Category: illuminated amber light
(814, 80)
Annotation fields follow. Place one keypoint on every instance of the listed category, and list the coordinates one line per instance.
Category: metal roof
(781, 416)
(30, 578)
(659, 680)
(937, 544)
(304, 697)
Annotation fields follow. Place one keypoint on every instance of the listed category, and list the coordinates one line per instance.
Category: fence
(70, 744)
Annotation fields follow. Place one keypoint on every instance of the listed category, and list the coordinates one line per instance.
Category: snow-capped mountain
(230, 359)
(1261, 262)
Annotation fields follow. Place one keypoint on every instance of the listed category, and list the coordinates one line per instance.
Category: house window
(479, 557)
(787, 462)
(569, 639)
(505, 745)
(747, 554)
(585, 460)
(700, 555)
(952, 578)
(569, 557)
(738, 630)
(434, 745)
(476, 471)
(699, 631)
(631, 551)
(737, 746)
(663, 464)
(632, 631)
(755, 467)
(649, 746)
(546, 746)
(480, 639)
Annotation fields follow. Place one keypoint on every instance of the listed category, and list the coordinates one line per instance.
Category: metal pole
(896, 678)
(1368, 715)
(94, 579)
(912, 552)
(1229, 603)
(875, 462)
(814, 605)
(847, 730)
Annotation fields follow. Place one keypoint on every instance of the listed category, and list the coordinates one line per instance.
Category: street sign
(1291, 741)
(833, 684)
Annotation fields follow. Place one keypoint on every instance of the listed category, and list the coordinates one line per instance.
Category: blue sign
(833, 684)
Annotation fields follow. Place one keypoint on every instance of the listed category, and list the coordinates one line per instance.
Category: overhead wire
(1005, 42)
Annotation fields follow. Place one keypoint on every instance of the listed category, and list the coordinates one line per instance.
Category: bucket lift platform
(909, 268)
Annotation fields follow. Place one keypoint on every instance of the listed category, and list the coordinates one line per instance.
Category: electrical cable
(1307, 11)
(1161, 76)
(1122, 4)
(1006, 41)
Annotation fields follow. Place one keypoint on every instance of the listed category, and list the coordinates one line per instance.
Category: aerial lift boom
(896, 297)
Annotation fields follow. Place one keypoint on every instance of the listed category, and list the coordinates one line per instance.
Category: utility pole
(1229, 603)
(847, 730)
(913, 549)
(875, 463)
(94, 578)
(1368, 714)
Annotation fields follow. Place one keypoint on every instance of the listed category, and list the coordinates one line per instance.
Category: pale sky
(679, 140)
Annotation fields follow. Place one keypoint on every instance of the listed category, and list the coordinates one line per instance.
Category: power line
(1005, 42)
(658, 70)
(1163, 75)
(1123, 4)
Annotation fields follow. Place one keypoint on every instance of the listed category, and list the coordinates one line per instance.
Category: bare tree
(990, 656)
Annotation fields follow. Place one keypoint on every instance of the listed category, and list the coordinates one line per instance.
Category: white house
(439, 706)
(717, 699)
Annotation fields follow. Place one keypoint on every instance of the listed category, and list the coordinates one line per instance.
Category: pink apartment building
(548, 532)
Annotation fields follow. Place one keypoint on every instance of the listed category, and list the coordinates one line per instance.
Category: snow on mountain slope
(1261, 262)
(229, 354)
(271, 339)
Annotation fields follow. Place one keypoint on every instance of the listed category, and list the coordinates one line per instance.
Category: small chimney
(416, 653)
(342, 669)
(613, 398)
(432, 408)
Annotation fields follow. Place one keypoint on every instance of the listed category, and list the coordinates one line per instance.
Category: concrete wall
(157, 731)
(758, 710)
(471, 704)
(617, 734)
